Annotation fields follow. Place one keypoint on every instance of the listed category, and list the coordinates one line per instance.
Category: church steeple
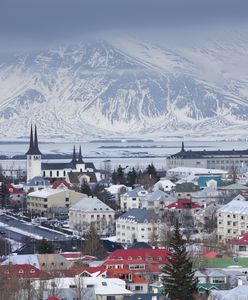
(33, 143)
(36, 146)
(182, 149)
(80, 158)
(74, 158)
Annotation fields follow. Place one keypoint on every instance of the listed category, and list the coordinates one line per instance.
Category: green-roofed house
(186, 190)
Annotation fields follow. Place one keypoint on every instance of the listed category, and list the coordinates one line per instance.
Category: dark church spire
(36, 145)
(74, 158)
(33, 143)
(80, 158)
(182, 150)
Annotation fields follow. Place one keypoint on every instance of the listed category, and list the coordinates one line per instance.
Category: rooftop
(137, 215)
(91, 204)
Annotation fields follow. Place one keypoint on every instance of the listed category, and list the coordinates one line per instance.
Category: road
(27, 230)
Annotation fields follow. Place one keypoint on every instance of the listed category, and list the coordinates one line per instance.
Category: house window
(51, 173)
(57, 173)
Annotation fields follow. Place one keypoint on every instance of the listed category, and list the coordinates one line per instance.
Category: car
(2, 232)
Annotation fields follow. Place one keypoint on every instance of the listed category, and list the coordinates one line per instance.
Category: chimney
(240, 282)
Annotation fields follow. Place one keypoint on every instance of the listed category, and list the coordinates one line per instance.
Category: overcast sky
(42, 21)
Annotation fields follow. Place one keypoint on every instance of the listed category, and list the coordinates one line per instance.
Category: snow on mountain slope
(128, 88)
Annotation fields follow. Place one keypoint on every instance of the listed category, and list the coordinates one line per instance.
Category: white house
(91, 210)
(164, 184)
(139, 225)
(133, 198)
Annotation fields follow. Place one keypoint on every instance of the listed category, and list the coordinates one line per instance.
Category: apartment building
(232, 220)
(132, 199)
(91, 210)
(50, 202)
(138, 225)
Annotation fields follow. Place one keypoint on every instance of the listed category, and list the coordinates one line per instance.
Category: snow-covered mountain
(126, 88)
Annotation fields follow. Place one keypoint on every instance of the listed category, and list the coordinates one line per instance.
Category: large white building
(91, 210)
(232, 220)
(138, 225)
(210, 159)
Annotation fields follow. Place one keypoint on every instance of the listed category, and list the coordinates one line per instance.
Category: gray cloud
(38, 21)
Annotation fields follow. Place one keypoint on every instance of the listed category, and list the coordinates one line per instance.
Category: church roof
(57, 166)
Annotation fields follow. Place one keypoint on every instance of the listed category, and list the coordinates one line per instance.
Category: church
(52, 171)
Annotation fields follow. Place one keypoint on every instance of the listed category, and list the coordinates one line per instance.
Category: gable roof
(144, 254)
(235, 206)
(37, 181)
(74, 177)
(159, 195)
(184, 204)
(241, 240)
(91, 204)
(22, 271)
(57, 183)
(138, 215)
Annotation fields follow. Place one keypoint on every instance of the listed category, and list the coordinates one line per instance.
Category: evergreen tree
(114, 177)
(45, 247)
(85, 188)
(93, 245)
(131, 177)
(151, 170)
(178, 280)
(120, 175)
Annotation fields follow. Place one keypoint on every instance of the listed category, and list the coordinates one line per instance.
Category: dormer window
(32, 271)
(130, 258)
(21, 271)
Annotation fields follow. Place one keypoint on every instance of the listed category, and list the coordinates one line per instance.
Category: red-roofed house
(240, 244)
(23, 271)
(148, 255)
(61, 184)
(134, 283)
(16, 196)
(182, 204)
(147, 263)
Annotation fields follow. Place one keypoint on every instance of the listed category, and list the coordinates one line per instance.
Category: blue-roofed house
(204, 181)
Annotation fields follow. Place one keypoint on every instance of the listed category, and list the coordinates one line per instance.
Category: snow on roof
(91, 204)
(44, 193)
(235, 206)
(196, 170)
(231, 294)
(102, 286)
(159, 195)
(31, 259)
(115, 188)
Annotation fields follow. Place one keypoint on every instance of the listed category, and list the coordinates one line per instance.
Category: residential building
(232, 220)
(51, 202)
(116, 190)
(140, 225)
(133, 198)
(91, 210)
(164, 184)
(157, 201)
(211, 159)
